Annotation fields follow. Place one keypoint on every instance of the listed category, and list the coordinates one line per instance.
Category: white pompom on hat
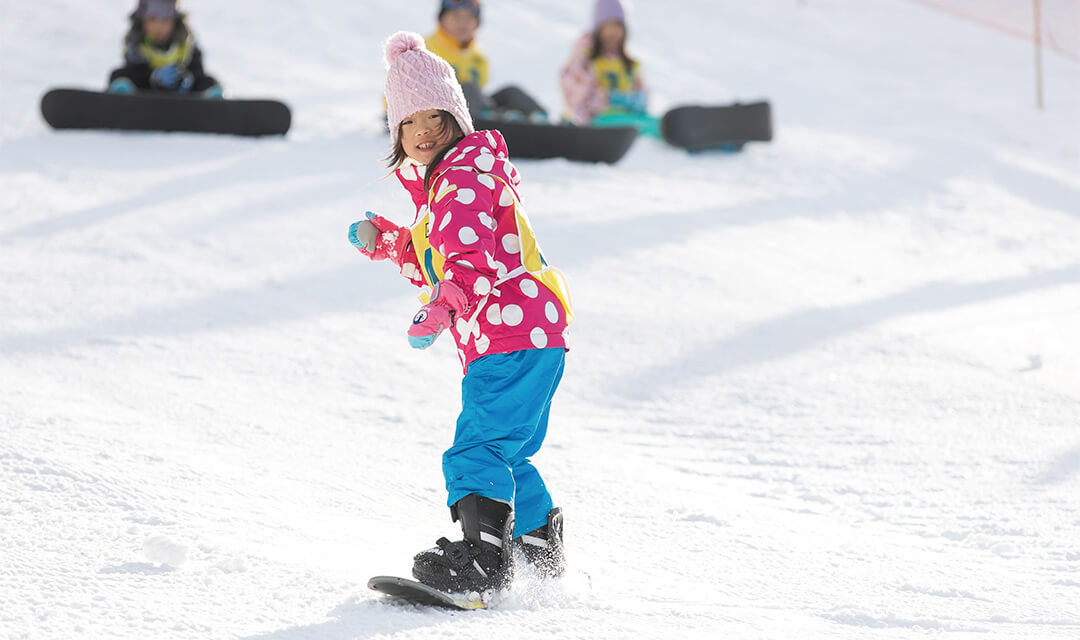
(418, 80)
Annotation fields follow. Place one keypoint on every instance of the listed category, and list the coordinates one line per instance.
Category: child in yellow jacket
(454, 40)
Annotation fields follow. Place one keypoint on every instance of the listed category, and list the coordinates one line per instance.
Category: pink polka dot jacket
(471, 229)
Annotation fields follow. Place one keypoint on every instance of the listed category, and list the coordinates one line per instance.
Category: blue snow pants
(505, 401)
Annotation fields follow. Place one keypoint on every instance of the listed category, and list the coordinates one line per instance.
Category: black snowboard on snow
(724, 127)
(78, 109)
(540, 140)
(419, 593)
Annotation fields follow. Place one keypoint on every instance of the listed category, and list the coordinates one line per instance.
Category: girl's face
(424, 134)
(159, 29)
(461, 24)
(611, 34)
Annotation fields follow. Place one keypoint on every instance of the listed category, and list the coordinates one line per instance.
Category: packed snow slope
(828, 387)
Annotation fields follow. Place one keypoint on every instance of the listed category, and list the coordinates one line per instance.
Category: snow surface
(825, 388)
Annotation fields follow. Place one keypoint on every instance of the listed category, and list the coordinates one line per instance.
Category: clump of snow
(161, 550)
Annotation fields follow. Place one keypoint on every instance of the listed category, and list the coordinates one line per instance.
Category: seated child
(601, 83)
(455, 41)
(160, 54)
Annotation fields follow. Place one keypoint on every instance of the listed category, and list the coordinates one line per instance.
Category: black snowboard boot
(543, 547)
(479, 562)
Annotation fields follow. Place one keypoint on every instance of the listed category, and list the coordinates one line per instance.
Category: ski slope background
(825, 388)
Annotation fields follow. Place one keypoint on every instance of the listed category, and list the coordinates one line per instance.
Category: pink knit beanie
(418, 80)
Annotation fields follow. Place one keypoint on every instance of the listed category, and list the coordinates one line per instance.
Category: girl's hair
(597, 49)
(447, 124)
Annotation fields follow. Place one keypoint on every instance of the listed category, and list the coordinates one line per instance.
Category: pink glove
(380, 239)
(447, 302)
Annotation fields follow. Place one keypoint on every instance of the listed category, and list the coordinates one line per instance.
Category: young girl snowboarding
(506, 310)
(160, 54)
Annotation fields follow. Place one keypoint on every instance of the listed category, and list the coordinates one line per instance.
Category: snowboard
(541, 140)
(419, 593)
(154, 111)
(728, 127)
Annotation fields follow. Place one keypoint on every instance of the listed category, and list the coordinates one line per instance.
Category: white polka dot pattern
(512, 315)
(506, 198)
(511, 243)
(476, 223)
(485, 161)
(465, 196)
(529, 288)
(538, 337)
(467, 235)
(461, 156)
